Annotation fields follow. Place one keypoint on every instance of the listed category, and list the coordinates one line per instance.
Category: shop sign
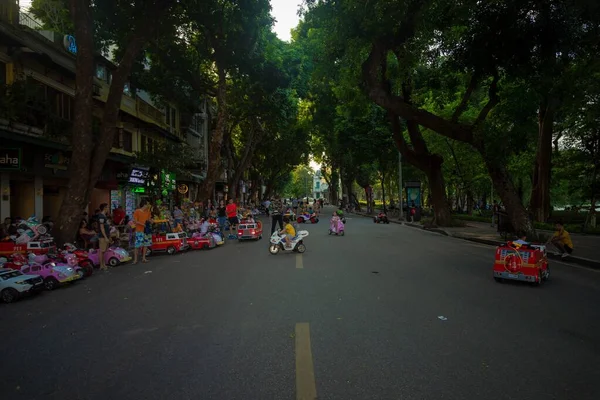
(57, 161)
(10, 159)
(168, 181)
(138, 190)
(183, 188)
(138, 176)
(70, 44)
(122, 176)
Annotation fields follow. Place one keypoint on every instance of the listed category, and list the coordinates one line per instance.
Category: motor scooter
(278, 243)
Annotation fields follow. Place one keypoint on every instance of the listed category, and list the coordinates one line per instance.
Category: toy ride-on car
(14, 284)
(199, 241)
(249, 230)
(521, 262)
(381, 218)
(37, 247)
(164, 239)
(306, 218)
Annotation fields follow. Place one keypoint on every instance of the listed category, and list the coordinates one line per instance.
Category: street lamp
(400, 185)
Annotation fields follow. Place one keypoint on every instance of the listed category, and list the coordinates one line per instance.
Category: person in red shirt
(118, 215)
(231, 211)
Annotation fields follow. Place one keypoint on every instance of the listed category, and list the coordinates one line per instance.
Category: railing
(30, 22)
(150, 111)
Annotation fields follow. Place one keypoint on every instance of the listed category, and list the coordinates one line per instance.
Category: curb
(392, 221)
(585, 262)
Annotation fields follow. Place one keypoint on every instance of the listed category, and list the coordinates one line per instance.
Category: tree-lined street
(392, 312)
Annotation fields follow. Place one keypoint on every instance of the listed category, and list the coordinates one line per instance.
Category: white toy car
(14, 284)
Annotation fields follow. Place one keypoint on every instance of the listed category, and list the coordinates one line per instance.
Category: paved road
(359, 312)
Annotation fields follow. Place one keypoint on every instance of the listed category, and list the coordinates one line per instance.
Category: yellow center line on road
(299, 262)
(306, 388)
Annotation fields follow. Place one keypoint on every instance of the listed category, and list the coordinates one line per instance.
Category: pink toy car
(113, 256)
(53, 274)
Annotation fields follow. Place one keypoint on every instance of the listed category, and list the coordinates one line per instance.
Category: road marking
(306, 388)
(299, 263)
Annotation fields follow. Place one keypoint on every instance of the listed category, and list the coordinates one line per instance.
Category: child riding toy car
(521, 261)
(336, 226)
(381, 218)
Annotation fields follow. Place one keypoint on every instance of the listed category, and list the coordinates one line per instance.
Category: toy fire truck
(521, 262)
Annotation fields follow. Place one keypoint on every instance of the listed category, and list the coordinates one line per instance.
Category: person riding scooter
(289, 232)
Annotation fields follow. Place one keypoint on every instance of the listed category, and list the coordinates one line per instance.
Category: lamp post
(306, 187)
(400, 185)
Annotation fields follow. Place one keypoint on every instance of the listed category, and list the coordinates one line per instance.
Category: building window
(144, 145)
(127, 89)
(2, 73)
(101, 73)
(127, 141)
(171, 116)
(117, 139)
(59, 103)
(318, 185)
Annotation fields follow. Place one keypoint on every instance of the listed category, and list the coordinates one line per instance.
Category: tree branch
(466, 97)
(494, 99)
(377, 92)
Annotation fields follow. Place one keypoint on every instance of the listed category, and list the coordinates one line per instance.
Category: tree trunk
(469, 202)
(507, 192)
(437, 189)
(539, 204)
(216, 140)
(75, 201)
(88, 158)
(430, 164)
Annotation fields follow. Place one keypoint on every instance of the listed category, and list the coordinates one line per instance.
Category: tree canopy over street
(483, 100)
(470, 93)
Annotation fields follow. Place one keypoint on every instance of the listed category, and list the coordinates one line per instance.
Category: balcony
(23, 113)
(149, 113)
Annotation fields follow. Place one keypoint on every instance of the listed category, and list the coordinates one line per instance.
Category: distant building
(320, 186)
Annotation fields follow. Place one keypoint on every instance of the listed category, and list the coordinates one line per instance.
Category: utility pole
(400, 185)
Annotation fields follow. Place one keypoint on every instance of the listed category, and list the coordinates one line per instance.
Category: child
(204, 226)
(289, 231)
(522, 239)
(562, 241)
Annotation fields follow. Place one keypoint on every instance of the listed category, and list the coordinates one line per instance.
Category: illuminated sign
(10, 159)
(70, 44)
(138, 176)
(139, 190)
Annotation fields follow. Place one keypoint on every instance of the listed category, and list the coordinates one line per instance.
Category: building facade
(37, 88)
(320, 186)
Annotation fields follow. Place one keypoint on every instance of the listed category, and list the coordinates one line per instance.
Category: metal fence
(30, 22)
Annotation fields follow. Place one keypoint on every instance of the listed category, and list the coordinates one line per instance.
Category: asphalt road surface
(385, 312)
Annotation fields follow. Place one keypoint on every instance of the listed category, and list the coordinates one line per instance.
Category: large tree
(215, 44)
(99, 25)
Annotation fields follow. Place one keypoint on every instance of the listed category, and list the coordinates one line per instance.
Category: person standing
(295, 206)
(231, 211)
(222, 215)
(276, 207)
(141, 216)
(267, 203)
(104, 240)
(178, 216)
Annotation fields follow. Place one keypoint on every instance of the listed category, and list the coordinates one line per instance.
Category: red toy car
(521, 262)
(38, 248)
(249, 230)
(164, 239)
(198, 242)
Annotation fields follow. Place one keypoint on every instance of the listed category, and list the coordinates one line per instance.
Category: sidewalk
(586, 247)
